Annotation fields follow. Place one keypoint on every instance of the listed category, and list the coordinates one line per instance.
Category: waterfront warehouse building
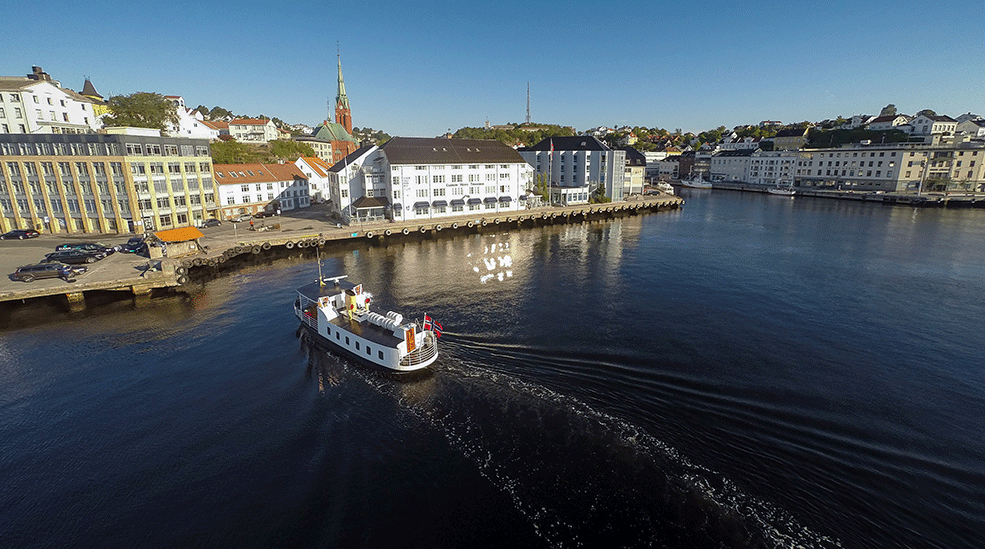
(131, 181)
(246, 189)
(579, 162)
(411, 178)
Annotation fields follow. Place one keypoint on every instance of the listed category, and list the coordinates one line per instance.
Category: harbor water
(748, 371)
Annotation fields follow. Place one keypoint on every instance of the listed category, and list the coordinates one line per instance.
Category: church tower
(342, 114)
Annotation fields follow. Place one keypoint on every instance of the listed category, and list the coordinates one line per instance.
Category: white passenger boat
(696, 181)
(782, 191)
(339, 315)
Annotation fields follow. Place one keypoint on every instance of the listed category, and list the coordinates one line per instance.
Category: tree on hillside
(888, 110)
(233, 152)
(927, 112)
(290, 150)
(142, 110)
(204, 110)
(219, 113)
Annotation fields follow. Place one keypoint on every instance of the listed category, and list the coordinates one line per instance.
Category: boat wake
(580, 475)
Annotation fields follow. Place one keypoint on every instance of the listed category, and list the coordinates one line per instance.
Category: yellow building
(132, 181)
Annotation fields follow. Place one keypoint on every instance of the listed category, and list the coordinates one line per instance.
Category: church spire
(342, 114)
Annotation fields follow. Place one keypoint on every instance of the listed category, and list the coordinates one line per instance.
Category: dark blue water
(751, 371)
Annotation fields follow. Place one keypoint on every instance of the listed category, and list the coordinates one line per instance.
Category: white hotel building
(409, 178)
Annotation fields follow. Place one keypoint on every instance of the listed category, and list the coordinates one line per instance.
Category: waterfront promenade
(297, 228)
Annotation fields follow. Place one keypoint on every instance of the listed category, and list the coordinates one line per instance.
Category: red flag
(552, 146)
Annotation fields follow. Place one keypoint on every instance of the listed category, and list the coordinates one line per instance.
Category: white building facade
(190, 123)
(40, 105)
(411, 178)
(245, 189)
(251, 130)
(580, 161)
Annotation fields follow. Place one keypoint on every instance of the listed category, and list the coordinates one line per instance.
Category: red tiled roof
(318, 165)
(255, 173)
(248, 121)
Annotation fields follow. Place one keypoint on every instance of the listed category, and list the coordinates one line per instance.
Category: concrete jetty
(297, 229)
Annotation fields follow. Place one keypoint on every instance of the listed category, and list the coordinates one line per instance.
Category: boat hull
(338, 350)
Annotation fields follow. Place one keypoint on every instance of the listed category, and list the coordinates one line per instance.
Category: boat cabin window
(346, 340)
(336, 335)
(357, 345)
(381, 355)
(368, 351)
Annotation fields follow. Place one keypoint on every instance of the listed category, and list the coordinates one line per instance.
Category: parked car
(30, 273)
(20, 234)
(87, 246)
(73, 257)
(135, 245)
(211, 223)
(239, 218)
(262, 214)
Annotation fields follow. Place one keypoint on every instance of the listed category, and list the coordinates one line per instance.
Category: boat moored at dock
(339, 315)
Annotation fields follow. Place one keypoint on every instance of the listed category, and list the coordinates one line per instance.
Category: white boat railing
(422, 354)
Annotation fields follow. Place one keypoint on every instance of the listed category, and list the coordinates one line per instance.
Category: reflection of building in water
(495, 263)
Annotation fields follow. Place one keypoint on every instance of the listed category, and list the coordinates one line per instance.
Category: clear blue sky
(421, 68)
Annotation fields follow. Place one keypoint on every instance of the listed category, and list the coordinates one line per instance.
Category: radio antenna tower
(528, 102)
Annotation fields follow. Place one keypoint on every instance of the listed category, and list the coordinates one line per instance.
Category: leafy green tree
(142, 110)
(219, 113)
(927, 112)
(888, 110)
(204, 110)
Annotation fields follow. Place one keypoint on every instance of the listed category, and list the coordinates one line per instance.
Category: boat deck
(367, 330)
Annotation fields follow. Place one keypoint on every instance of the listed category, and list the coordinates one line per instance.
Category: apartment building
(246, 189)
(38, 104)
(410, 178)
(578, 166)
(130, 181)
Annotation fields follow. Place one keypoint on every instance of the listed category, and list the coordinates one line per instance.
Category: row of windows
(457, 167)
(338, 337)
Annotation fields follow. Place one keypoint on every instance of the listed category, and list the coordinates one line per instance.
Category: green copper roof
(331, 131)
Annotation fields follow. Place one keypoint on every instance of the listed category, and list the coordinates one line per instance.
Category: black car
(262, 214)
(20, 234)
(29, 273)
(87, 246)
(211, 223)
(135, 245)
(73, 257)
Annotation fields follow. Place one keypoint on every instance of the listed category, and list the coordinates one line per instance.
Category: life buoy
(181, 270)
(255, 249)
(265, 245)
(387, 232)
(182, 279)
(369, 234)
(454, 225)
(406, 230)
(288, 244)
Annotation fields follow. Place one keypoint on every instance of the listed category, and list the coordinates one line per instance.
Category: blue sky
(419, 69)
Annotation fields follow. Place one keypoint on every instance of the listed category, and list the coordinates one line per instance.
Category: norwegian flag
(430, 324)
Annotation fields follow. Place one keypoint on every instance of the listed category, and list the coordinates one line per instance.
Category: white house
(410, 178)
(190, 123)
(37, 104)
(889, 122)
(249, 188)
(316, 170)
(933, 124)
(731, 165)
(973, 128)
(252, 130)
